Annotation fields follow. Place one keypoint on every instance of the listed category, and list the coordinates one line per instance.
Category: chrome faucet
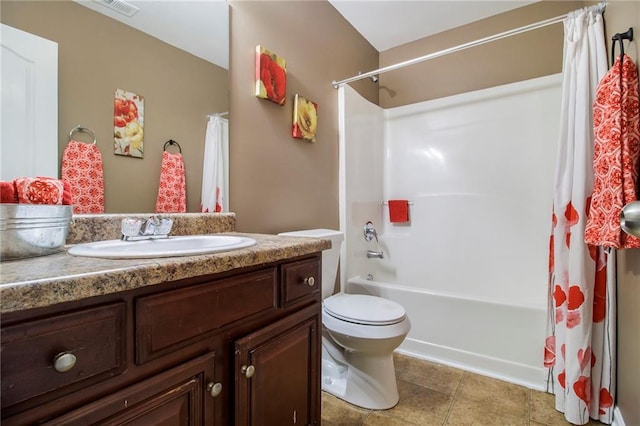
(375, 254)
(154, 227)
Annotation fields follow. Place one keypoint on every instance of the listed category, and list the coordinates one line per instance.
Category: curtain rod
(458, 48)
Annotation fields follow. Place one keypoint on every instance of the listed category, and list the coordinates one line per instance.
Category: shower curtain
(213, 185)
(580, 347)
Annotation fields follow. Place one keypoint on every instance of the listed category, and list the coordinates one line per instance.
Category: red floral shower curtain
(580, 347)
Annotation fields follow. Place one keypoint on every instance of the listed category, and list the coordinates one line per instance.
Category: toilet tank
(330, 257)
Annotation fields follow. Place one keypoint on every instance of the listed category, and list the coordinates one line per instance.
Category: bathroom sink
(188, 245)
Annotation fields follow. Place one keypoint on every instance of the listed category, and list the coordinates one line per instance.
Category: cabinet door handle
(64, 362)
(310, 281)
(248, 371)
(214, 388)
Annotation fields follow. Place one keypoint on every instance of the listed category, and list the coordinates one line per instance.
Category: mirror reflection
(182, 84)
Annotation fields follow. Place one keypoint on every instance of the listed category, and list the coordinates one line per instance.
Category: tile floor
(434, 394)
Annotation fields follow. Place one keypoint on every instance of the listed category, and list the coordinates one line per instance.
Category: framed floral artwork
(128, 124)
(305, 118)
(271, 76)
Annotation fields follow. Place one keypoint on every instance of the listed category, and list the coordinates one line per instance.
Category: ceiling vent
(120, 6)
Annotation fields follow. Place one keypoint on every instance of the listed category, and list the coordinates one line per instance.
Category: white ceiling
(201, 26)
(391, 23)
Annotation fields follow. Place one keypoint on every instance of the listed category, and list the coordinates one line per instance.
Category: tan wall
(521, 57)
(279, 183)
(619, 16)
(96, 55)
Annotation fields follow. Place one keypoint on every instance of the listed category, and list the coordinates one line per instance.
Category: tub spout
(375, 254)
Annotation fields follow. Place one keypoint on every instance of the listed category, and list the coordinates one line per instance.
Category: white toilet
(360, 333)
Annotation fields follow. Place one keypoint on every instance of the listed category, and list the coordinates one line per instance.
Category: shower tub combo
(470, 266)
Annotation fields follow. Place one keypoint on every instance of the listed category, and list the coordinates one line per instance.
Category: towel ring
(172, 142)
(628, 35)
(82, 130)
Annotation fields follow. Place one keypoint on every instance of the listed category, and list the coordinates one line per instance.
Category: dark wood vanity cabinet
(241, 348)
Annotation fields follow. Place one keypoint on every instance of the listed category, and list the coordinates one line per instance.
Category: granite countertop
(47, 280)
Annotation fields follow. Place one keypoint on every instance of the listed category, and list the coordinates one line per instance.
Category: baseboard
(617, 417)
(520, 374)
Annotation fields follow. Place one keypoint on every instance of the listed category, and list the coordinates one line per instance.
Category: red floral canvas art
(128, 122)
(271, 76)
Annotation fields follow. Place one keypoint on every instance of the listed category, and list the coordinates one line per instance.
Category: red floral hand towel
(615, 161)
(82, 169)
(39, 190)
(172, 192)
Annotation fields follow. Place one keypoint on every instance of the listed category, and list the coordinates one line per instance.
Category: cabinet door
(277, 372)
(179, 396)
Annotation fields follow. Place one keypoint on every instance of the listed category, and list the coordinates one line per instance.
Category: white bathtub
(493, 339)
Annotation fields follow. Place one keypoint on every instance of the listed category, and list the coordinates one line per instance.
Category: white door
(29, 114)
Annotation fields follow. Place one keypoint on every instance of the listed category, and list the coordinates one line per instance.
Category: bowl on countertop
(30, 230)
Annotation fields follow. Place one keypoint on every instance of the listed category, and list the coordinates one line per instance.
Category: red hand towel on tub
(398, 211)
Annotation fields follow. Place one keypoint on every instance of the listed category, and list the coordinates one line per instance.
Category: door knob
(214, 389)
(310, 281)
(64, 362)
(248, 371)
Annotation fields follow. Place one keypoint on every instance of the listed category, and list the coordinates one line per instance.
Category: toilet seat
(364, 309)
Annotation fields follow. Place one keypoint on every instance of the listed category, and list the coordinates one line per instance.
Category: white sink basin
(188, 245)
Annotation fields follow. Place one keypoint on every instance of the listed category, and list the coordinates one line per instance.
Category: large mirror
(174, 54)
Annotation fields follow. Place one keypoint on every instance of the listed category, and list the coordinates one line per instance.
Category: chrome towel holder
(82, 129)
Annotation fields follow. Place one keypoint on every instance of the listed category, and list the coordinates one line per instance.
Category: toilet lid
(364, 309)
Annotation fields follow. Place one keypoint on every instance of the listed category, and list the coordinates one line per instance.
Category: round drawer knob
(310, 281)
(248, 371)
(64, 362)
(214, 389)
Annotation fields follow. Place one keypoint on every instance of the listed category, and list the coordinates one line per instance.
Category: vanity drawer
(300, 279)
(171, 320)
(90, 342)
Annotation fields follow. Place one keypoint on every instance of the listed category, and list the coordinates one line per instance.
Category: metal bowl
(30, 230)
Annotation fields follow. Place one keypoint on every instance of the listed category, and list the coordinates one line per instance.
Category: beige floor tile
(427, 392)
(543, 411)
(336, 412)
(384, 418)
(496, 395)
(477, 413)
(418, 405)
(434, 376)
(400, 362)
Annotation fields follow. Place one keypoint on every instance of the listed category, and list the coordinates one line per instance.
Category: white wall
(361, 166)
(479, 168)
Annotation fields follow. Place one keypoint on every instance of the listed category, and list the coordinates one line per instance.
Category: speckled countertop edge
(57, 278)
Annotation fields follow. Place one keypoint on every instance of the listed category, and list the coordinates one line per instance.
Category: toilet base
(364, 380)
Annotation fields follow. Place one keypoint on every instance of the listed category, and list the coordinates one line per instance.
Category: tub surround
(48, 280)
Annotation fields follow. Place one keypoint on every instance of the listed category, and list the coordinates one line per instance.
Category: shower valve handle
(370, 232)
